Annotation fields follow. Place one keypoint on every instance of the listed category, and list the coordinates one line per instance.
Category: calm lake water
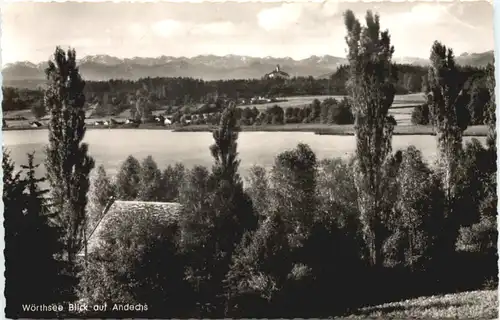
(111, 147)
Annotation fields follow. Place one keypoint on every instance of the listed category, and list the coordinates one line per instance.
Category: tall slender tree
(445, 104)
(68, 163)
(369, 86)
(221, 220)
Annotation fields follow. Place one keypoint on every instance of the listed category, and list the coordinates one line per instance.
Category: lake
(111, 147)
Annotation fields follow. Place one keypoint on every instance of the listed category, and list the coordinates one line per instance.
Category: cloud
(419, 14)
(300, 14)
(168, 28)
(82, 42)
(222, 28)
(137, 30)
(281, 17)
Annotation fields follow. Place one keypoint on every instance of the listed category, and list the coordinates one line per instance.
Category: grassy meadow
(464, 305)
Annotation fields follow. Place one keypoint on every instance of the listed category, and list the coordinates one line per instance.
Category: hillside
(464, 305)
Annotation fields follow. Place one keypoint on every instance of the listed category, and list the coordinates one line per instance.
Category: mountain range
(206, 67)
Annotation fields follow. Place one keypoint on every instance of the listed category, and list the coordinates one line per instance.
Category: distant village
(166, 116)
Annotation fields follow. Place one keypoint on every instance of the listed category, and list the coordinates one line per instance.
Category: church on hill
(277, 74)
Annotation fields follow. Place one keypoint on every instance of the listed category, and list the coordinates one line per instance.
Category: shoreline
(319, 129)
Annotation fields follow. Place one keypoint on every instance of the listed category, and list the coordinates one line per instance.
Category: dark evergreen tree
(33, 273)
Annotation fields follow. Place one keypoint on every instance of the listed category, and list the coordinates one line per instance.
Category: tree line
(183, 91)
(328, 111)
(307, 238)
(472, 103)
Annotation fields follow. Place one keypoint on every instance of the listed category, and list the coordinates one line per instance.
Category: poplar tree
(68, 163)
(369, 55)
(220, 220)
(445, 104)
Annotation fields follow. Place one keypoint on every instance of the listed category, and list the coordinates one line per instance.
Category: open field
(300, 101)
(464, 305)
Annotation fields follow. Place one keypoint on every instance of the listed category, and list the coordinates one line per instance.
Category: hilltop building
(277, 74)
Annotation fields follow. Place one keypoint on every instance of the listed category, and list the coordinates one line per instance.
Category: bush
(341, 113)
(420, 115)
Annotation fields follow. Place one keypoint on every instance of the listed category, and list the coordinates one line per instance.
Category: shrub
(341, 113)
(420, 115)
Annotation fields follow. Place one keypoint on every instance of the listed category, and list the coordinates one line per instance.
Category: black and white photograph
(277, 160)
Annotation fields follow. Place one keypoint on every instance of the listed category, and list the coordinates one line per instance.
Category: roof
(168, 211)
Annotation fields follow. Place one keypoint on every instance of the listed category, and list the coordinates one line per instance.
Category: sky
(31, 30)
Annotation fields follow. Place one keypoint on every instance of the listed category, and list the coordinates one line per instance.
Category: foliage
(212, 229)
(259, 270)
(416, 217)
(293, 188)
(333, 112)
(258, 189)
(420, 115)
(445, 105)
(150, 181)
(337, 192)
(479, 98)
(33, 274)
(68, 163)
(172, 178)
(38, 109)
(128, 179)
(372, 94)
(20, 99)
(100, 192)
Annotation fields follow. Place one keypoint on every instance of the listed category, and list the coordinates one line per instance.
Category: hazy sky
(30, 31)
